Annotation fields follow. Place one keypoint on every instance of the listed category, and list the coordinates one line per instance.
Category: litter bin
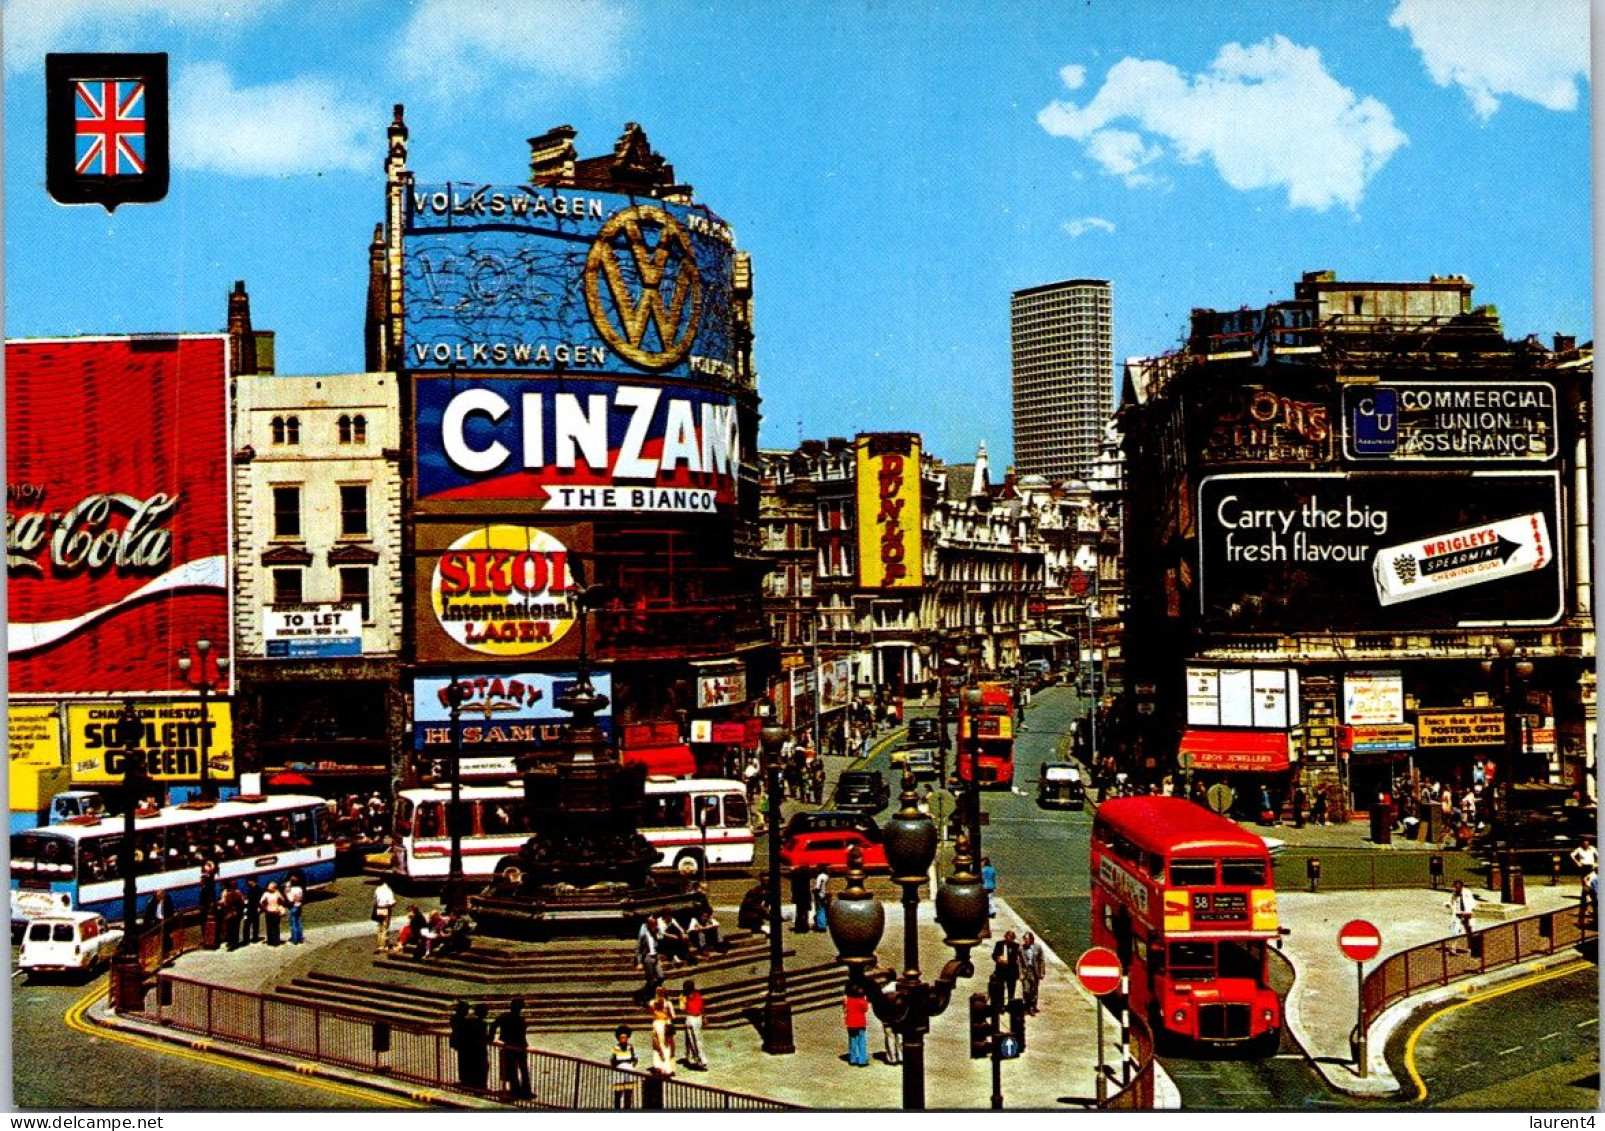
(1381, 823)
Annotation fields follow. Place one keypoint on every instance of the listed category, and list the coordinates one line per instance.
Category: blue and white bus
(77, 865)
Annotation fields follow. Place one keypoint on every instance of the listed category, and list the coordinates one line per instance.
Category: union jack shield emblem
(110, 122)
(106, 136)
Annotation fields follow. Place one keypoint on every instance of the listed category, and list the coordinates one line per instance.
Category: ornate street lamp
(857, 921)
(127, 976)
(776, 1008)
(454, 824)
(206, 684)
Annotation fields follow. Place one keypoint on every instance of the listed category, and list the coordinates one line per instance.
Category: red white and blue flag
(109, 117)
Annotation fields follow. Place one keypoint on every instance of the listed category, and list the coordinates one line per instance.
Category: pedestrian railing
(1449, 960)
(1138, 1093)
(419, 1054)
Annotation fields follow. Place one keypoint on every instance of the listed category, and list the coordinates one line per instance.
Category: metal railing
(1448, 960)
(1138, 1094)
(421, 1055)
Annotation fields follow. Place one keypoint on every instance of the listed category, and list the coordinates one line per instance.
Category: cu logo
(649, 308)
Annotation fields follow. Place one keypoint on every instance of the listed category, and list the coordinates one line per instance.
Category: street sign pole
(1099, 972)
(1359, 1017)
(1103, 1083)
(1360, 940)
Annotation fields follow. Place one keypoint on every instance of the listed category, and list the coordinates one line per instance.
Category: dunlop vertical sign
(890, 550)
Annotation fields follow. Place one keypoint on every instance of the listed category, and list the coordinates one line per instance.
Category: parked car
(828, 849)
(864, 791)
(1061, 787)
(923, 730)
(71, 940)
(832, 820)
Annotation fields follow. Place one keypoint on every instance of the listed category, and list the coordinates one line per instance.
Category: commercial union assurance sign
(1445, 421)
(529, 278)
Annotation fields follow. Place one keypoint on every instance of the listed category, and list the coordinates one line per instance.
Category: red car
(828, 848)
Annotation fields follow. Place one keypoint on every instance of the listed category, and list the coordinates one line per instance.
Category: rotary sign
(531, 278)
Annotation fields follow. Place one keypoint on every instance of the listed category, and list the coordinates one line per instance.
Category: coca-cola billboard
(117, 510)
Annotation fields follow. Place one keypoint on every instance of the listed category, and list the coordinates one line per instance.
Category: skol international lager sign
(173, 734)
(504, 590)
(890, 550)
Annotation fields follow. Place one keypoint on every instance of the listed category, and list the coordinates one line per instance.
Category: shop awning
(676, 761)
(1259, 751)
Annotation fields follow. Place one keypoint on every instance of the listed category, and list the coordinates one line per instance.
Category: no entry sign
(1359, 940)
(1099, 970)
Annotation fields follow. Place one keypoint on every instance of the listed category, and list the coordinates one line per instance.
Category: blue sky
(896, 170)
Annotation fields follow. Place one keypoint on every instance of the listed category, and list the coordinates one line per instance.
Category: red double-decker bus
(986, 738)
(1186, 898)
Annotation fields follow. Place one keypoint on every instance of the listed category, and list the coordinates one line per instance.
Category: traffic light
(983, 1027)
(1017, 1022)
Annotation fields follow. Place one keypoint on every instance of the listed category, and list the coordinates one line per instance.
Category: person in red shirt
(691, 1015)
(855, 1014)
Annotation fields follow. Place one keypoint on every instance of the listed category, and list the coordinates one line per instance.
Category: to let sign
(1359, 940)
(1099, 970)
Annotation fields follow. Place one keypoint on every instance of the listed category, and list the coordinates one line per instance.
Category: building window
(353, 510)
(353, 429)
(354, 588)
(287, 512)
(286, 430)
(287, 586)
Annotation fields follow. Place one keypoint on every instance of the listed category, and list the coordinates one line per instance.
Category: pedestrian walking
(294, 897)
(473, 1058)
(989, 881)
(663, 1015)
(802, 896)
(648, 959)
(1586, 857)
(1318, 809)
(1462, 905)
(623, 1060)
(513, 1034)
(1299, 799)
(208, 889)
(232, 909)
(159, 913)
(691, 1010)
(272, 912)
(251, 929)
(821, 895)
(384, 904)
(459, 1040)
(1033, 968)
(1006, 958)
(855, 1016)
(893, 1041)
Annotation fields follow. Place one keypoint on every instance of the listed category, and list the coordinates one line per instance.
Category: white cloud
(1075, 229)
(1073, 76)
(1267, 115)
(1536, 50)
(34, 27)
(301, 125)
(474, 44)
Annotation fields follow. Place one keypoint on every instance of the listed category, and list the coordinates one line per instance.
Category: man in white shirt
(384, 902)
(1462, 906)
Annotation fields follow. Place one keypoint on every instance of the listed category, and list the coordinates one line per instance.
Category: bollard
(1518, 887)
(1435, 866)
(1312, 868)
(1554, 869)
(652, 1092)
(1496, 876)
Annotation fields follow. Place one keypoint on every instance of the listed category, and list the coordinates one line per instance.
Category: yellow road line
(1410, 1045)
(75, 1021)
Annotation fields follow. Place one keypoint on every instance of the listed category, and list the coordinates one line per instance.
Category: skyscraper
(1063, 361)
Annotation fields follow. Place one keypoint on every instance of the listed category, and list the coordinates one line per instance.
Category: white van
(69, 940)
